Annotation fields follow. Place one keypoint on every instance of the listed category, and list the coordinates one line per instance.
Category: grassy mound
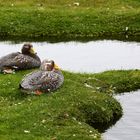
(67, 18)
(82, 105)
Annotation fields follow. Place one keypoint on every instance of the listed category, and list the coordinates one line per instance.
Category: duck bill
(56, 67)
(32, 51)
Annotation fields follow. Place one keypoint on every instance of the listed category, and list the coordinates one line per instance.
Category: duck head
(48, 65)
(28, 49)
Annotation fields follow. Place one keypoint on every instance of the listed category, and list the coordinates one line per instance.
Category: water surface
(128, 127)
(93, 56)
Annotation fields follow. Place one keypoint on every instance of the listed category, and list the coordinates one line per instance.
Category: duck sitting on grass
(47, 79)
(27, 59)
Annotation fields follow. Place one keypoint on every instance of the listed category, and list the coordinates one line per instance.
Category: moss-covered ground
(80, 109)
(69, 18)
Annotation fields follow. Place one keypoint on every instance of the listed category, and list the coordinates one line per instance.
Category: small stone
(126, 28)
(43, 121)
(79, 123)
(26, 131)
(66, 115)
(74, 118)
(76, 3)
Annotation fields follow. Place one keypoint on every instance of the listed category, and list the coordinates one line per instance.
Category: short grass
(59, 18)
(83, 103)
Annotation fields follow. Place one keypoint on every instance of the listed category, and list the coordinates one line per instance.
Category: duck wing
(31, 81)
(18, 61)
(51, 81)
(7, 61)
(25, 62)
(42, 80)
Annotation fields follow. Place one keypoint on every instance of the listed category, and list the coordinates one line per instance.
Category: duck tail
(20, 87)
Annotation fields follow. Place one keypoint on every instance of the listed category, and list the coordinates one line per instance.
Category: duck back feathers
(20, 61)
(44, 81)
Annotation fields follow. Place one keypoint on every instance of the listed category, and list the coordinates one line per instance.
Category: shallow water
(93, 56)
(128, 127)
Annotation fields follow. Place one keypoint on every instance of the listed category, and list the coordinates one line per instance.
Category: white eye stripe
(26, 47)
(49, 63)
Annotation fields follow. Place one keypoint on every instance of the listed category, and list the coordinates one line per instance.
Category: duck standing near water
(47, 79)
(27, 59)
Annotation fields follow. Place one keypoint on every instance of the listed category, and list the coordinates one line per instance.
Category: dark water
(93, 56)
(96, 56)
(128, 127)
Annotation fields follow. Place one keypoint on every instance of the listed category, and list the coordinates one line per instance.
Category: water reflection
(56, 39)
(128, 127)
(93, 56)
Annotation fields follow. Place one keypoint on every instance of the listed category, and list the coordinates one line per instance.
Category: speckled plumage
(42, 80)
(19, 61)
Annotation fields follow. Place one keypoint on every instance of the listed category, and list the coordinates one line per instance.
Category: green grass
(59, 18)
(70, 113)
(84, 106)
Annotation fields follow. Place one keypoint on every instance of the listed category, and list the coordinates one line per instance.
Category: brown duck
(47, 79)
(27, 59)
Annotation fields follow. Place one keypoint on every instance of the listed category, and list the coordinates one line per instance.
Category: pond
(128, 127)
(93, 56)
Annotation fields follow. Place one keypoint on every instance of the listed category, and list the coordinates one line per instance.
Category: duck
(47, 79)
(26, 59)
